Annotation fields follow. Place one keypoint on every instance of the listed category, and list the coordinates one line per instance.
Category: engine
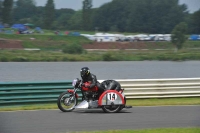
(92, 98)
(90, 95)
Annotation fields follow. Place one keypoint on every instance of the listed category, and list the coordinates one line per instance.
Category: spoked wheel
(112, 108)
(67, 101)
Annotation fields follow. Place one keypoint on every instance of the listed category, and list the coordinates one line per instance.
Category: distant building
(105, 37)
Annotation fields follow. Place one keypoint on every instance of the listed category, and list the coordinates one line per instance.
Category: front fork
(72, 92)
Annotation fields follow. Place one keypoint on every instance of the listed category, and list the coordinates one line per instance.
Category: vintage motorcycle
(111, 101)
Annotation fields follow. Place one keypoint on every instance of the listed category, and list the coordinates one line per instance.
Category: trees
(24, 11)
(49, 14)
(178, 35)
(37, 19)
(195, 24)
(113, 16)
(75, 21)
(86, 16)
(6, 12)
(155, 16)
(1, 5)
(147, 16)
(139, 16)
(63, 17)
(100, 19)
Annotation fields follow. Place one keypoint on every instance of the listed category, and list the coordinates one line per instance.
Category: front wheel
(112, 108)
(67, 101)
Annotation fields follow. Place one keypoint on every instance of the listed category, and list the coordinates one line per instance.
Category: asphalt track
(55, 121)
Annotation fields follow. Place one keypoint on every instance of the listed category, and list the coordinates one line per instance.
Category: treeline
(141, 16)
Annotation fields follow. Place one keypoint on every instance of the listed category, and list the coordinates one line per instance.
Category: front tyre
(111, 108)
(67, 101)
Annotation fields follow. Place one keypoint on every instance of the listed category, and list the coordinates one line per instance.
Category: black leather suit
(111, 85)
(92, 78)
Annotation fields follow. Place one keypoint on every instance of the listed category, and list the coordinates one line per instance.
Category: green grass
(132, 102)
(29, 107)
(158, 130)
(57, 55)
(164, 101)
(28, 56)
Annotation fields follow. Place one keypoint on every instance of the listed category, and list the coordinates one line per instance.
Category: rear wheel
(114, 108)
(111, 108)
(67, 101)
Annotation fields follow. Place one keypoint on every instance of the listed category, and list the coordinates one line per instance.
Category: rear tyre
(111, 108)
(67, 101)
(114, 108)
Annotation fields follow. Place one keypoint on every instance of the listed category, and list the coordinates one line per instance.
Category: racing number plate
(111, 96)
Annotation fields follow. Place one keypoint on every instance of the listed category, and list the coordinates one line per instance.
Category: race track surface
(55, 121)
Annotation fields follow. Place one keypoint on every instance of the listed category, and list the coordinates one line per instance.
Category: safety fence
(161, 88)
(21, 93)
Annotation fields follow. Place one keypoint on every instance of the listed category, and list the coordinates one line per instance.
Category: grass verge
(158, 130)
(164, 102)
(58, 56)
(132, 102)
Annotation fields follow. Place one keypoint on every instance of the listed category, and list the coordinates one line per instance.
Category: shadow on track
(98, 111)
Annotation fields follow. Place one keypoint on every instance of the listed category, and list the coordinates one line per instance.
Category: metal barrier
(161, 88)
(21, 93)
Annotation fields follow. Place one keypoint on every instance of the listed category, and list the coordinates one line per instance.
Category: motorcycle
(110, 101)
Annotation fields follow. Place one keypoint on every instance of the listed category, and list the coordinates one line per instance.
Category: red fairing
(72, 91)
(89, 89)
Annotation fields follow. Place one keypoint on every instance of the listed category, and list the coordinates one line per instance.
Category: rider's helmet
(85, 71)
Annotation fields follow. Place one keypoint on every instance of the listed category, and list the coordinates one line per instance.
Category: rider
(89, 77)
(111, 85)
